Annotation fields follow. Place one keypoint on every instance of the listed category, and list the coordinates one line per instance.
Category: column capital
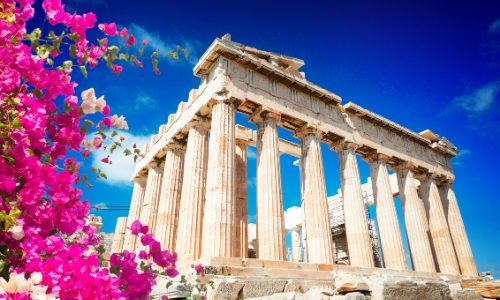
(374, 157)
(405, 165)
(306, 130)
(139, 179)
(242, 142)
(426, 176)
(202, 122)
(155, 164)
(263, 114)
(175, 144)
(343, 145)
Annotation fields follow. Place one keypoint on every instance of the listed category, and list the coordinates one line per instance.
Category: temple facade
(191, 188)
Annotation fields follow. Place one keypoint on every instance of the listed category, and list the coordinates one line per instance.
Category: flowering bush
(44, 239)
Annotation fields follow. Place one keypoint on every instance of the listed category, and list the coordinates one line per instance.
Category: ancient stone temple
(191, 187)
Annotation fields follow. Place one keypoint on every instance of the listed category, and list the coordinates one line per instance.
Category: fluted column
(315, 202)
(134, 212)
(356, 224)
(298, 163)
(241, 207)
(441, 237)
(417, 228)
(151, 198)
(119, 236)
(218, 223)
(296, 246)
(270, 213)
(457, 230)
(390, 237)
(189, 235)
(170, 197)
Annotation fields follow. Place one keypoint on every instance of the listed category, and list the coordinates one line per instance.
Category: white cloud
(481, 99)
(463, 152)
(251, 219)
(143, 101)
(252, 182)
(251, 154)
(495, 26)
(122, 168)
(155, 41)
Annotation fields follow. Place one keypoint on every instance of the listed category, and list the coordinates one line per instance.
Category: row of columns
(203, 195)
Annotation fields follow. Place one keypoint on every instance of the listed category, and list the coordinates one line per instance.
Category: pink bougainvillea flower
(138, 63)
(105, 110)
(123, 32)
(90, 104)
(119, 122)
(108, 29)
(144, 42)
(131, 40)
(85, 154)
(164, 297)
(136, 228)
(105, 160)
(122, 138)
(117, 69)
(134, 146)
(157, 71)
(108, 122)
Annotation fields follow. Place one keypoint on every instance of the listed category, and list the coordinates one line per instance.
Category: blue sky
(421, 64)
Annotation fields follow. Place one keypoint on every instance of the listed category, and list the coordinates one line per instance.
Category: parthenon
(191, 187)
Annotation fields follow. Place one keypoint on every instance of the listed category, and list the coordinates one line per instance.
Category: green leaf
(49, 62)
(114, 133)
(169, 284)
(186, 53)
(83, 129)
(127, 152)
(84, 178)
(67, 106)
(101, 41)
(73, 51)
(141, 50)
(91, 124)
(16, 123)
(135, 158)
(155, 63)
(80, 112)
(67, 65)
(74, 37)
(118, 144)
(178, 48)
(93, 170)
(123, 56)
(84, 71)
(16, 100)
(15, 213)
(112, 149)
(113, 48)
(104, 176)
(44, 50)
(52, 35)
(115, 270)
(154, 54)
(35, 35)
(37, 93)
(132, 60)
(137, 151)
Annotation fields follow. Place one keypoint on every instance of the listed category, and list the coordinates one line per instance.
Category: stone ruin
(192, 192)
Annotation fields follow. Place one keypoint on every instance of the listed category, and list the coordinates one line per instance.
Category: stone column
(356, 224)
(134, 212)
(441, 237)
(298, 163)
(241, 207)
(119, 236)
(296, 246)
(270, 214)
(417, 228)
(151, 197)
(189, 235)
(170, 197)
(457, 229)
(390, 237)
(218, 223)
(315, 202)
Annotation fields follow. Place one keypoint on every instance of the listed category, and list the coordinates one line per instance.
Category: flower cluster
(44, 240)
